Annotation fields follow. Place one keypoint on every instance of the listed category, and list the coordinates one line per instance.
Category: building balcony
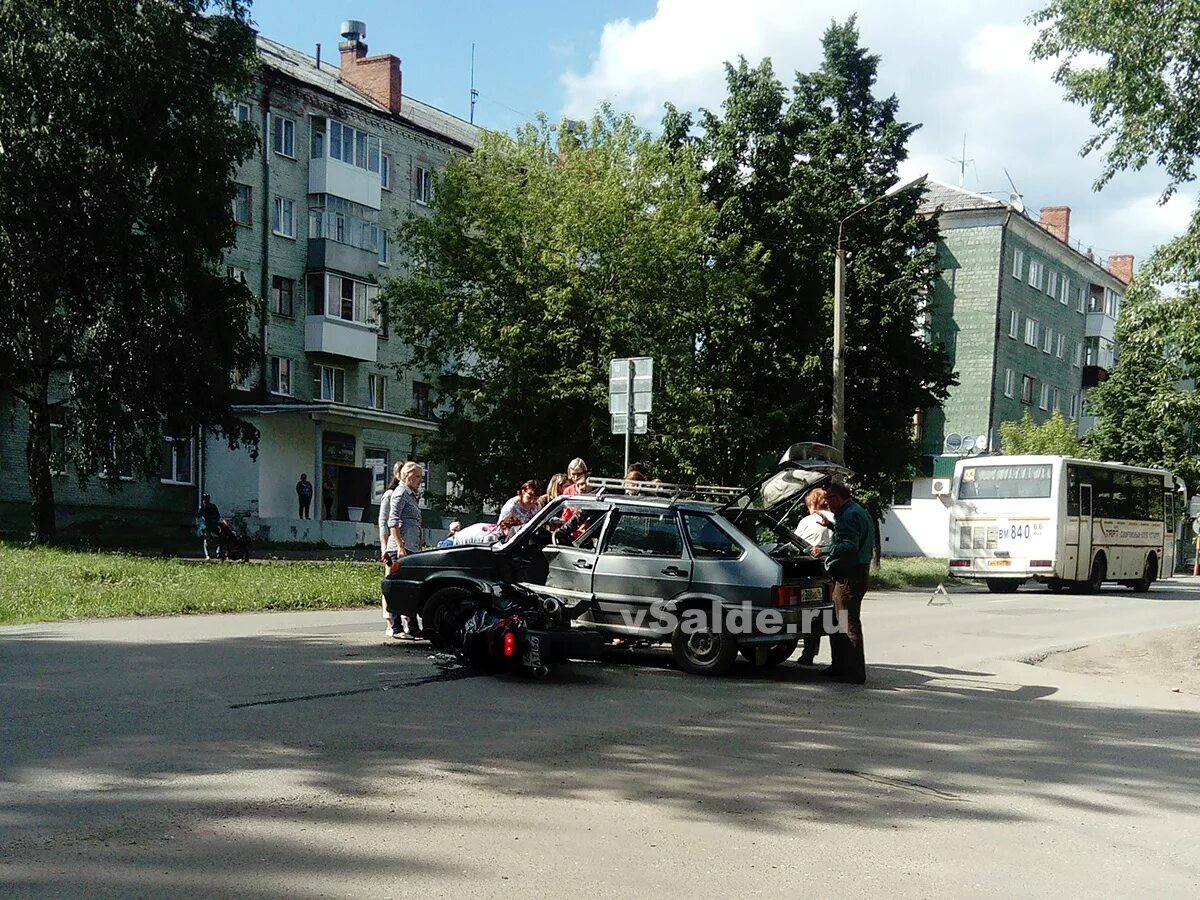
(340, 337)
(332, 176)
(1100, 325)
(326, 253)
(1093, 375)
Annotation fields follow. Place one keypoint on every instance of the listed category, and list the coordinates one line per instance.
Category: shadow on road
(167, 756)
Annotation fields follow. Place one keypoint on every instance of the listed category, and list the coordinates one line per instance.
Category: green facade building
(1029, 321)
(344, 155)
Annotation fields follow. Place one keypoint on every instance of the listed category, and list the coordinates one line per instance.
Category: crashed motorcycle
(511, 629)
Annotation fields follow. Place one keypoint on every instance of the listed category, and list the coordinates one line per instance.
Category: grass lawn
(900, 572)
(46, 585)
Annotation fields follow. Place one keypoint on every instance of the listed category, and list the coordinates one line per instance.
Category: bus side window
(1157, 512)
(1072, 490)
(1102, 493)
(1085, 502)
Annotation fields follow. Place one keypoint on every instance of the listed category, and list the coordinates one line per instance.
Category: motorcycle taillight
(510, 645)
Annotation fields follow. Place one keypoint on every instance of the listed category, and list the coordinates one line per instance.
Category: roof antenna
(1015, 197)
(474, 93)
(962, 162)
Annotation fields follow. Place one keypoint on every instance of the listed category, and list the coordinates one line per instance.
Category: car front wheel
(703, 652)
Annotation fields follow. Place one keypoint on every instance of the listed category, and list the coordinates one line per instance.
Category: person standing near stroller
(209, 521)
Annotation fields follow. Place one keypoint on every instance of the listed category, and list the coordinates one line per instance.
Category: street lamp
(839, 314)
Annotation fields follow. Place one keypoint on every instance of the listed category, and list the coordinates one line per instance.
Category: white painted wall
(920, 529)
(285, 450)
(231, 476)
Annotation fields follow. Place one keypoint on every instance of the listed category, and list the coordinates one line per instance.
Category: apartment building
(1029, 320)
(344, 155)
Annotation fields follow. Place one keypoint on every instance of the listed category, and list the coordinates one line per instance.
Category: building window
(343, 298)
(1079, 354)
(1074, 406)
(903, 494)
(282, 293)
(353, 147)
(376, 391)
(1031, 332)
(1027, 389)
(422, 185)
(1014, 324)
(236, 274)
(1035, 274)
(281, 376)
(1048, 340)
(283, 220)
(384, 250)
(1057, 401)
(241, 112)
(421, 399)
(241, 206)
(178, 452)
(1009, 381)
(283, 136)
(241, 381)
(1018, 268)
(329, 384)
(1065, 291)
(1112, 302)
(1044, 398)
(316, 143)
(385, 172)
(1052, 283)
(1062, 346)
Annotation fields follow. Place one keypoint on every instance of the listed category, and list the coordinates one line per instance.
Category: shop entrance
(345, 487)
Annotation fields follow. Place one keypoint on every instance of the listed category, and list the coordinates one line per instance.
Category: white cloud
(957, 67)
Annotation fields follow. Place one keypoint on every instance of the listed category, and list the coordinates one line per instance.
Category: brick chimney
(1121, 268)
(1057, 221)
(376, 77)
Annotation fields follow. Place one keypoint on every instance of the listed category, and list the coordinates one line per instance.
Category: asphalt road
(299, 755)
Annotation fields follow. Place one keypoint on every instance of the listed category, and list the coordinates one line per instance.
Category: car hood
(803, 466)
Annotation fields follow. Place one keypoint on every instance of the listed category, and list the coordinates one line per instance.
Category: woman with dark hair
(524, 506)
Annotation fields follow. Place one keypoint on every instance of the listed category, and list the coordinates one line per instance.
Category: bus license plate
(996, 563)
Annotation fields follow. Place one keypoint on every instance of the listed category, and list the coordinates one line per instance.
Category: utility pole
(474, 93)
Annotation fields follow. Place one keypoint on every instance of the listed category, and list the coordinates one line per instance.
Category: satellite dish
(1015, 197)
(954, 442)
(981, 442)
(968, 443)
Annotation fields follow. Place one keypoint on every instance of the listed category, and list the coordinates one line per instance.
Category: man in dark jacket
(848, 560)
(210, 520)
(304, 492)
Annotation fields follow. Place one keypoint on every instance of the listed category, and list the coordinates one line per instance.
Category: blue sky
(521, 48)
(958, 67)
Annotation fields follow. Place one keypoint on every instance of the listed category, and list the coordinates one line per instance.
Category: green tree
(782, 171)
(1054, 437)
(1147, 411)
(117, 153)
(547, 254)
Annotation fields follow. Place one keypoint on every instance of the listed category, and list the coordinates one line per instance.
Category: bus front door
(1083, 561)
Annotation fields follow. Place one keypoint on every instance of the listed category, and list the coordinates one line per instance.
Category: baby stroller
(234, 547)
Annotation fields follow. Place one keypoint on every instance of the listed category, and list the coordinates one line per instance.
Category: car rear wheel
(703, 652)
(1003, 585)
(776, 653)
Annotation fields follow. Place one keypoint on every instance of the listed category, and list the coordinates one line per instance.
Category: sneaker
(405, 636)
(389, 631)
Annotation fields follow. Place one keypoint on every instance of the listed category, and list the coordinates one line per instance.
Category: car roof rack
(713, 493)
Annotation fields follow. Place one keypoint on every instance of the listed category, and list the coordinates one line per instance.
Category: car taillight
(510, 645)
(788, 595)
(960, 564)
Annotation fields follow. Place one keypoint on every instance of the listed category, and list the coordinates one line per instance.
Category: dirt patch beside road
(1170, 657)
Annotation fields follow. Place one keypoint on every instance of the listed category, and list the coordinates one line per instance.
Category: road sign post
(630, 398)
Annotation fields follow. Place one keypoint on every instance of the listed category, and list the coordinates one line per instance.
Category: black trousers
(305, 503)
(847, 647)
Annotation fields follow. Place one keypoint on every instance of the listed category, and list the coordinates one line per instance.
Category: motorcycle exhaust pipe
(551, 604)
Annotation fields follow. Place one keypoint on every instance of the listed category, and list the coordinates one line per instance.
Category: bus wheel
(1148, 572)
(1003, 585)
(1099, 570)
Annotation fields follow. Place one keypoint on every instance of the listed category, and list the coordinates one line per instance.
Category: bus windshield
(1004, 482)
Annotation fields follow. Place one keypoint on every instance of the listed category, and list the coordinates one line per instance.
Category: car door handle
(582, 564)
(675, 570)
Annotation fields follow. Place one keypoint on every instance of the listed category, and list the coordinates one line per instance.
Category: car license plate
(997, 563)
(812, 595)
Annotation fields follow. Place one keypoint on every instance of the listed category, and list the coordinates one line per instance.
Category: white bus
(1066, 522)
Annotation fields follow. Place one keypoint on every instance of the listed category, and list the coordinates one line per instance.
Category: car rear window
(709, 540)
